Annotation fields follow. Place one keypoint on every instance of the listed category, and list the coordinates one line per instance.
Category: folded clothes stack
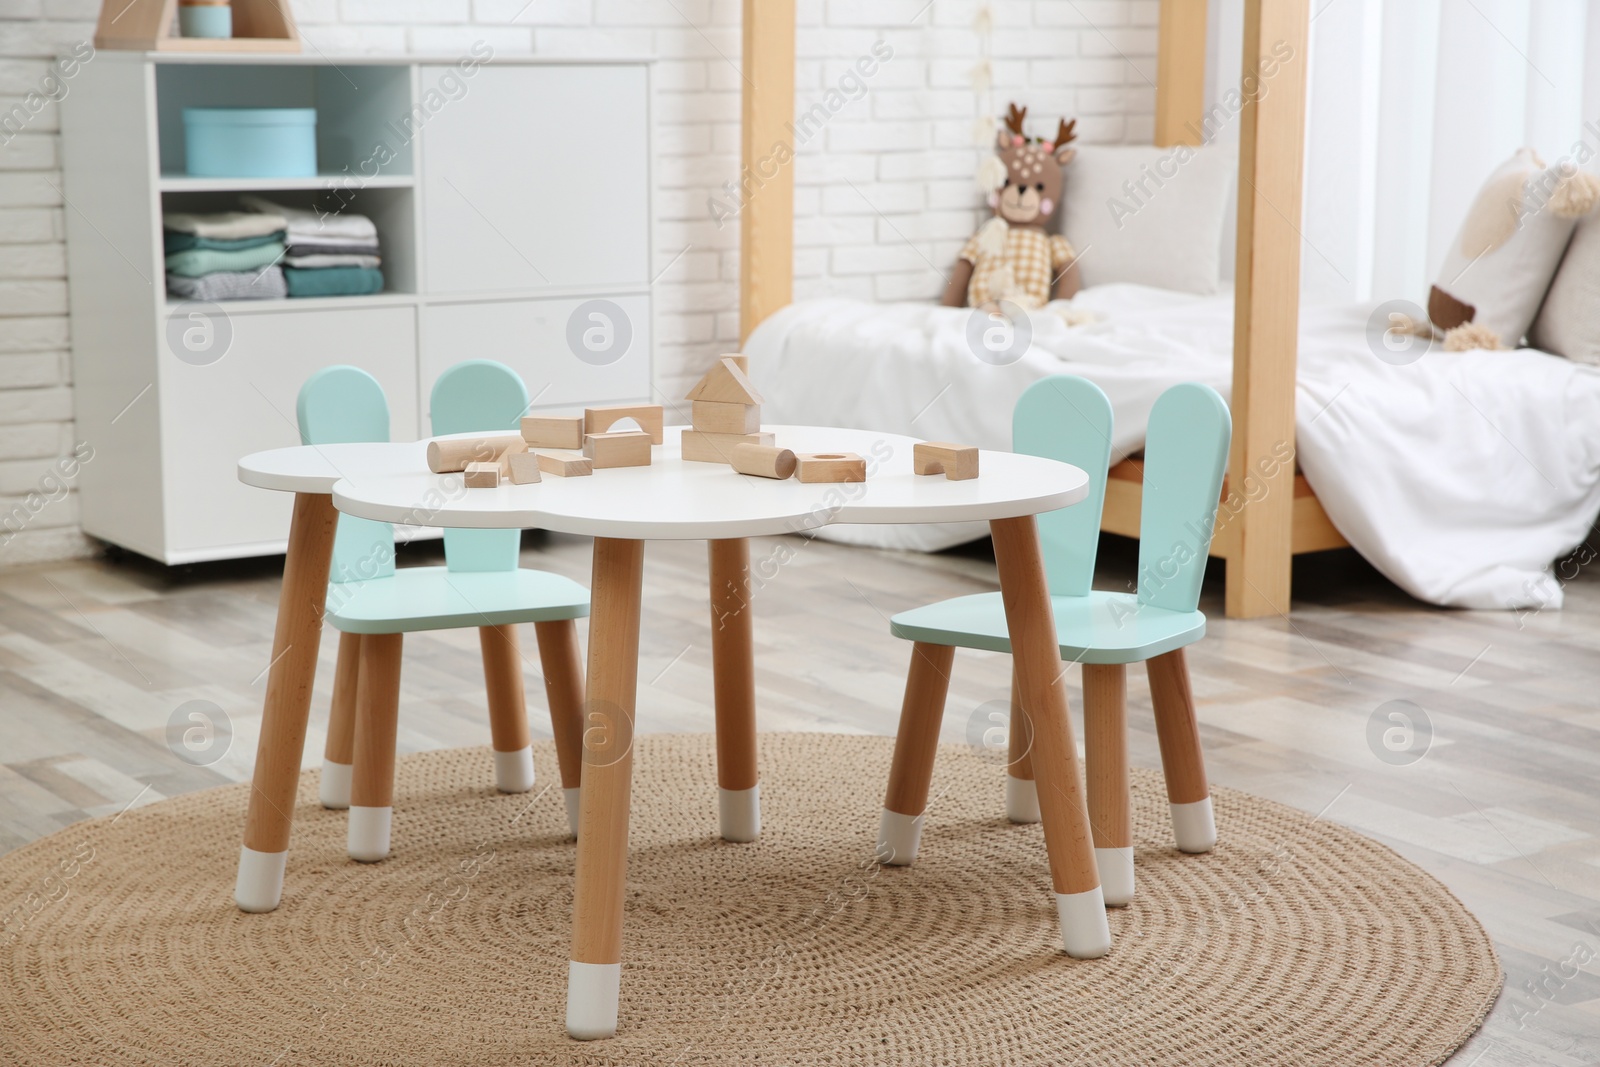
(229, 256)
(333, 254)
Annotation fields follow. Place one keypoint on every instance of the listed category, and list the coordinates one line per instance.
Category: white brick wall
(905, 144)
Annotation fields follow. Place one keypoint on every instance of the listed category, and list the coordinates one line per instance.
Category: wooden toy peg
(553, 431)
(764, 461)
(700, 447)
(650, 418)
(711, 416)
(564, 464)
(955, 462)
(524, 467)
(482, 476)
(830, 467)
(626, 448)
(449, 456)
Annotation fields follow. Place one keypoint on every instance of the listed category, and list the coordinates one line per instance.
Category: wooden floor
(1503, 807)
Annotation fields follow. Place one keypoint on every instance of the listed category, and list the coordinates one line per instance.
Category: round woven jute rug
(1295, 942)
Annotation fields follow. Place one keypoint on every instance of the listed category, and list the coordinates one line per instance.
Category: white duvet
(1460, 476)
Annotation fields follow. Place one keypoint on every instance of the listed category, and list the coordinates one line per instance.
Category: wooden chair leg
(334, 788)
(1105, 738)
(293, 669)
(594, 972)
(733, 669)
(1022, 795)
(906, 803)
(562, 664)
(1193, 824)
(1030, 619)
(377, 722)
(508, 708)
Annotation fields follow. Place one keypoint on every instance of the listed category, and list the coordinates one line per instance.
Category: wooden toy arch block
(150, 26)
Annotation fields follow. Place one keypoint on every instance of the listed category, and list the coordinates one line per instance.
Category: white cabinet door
(244, 402)
(535, 177)
(569, 351)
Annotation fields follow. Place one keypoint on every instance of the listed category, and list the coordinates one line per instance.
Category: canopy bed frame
(1282, 516)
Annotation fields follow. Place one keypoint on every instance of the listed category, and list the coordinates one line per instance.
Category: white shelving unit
(507, 200)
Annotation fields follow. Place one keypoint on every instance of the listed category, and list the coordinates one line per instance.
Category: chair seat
(436, 598)
(1099, 628)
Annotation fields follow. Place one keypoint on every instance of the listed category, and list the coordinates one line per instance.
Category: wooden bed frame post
(766, 173)
(1180, 72)
(1266, 306)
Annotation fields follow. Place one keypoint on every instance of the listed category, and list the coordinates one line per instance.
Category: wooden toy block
(711, 416)
(564, 464)
(764, 461)
(553, 431)
(650, 418)
(701, 447)
(726, 383)
(955, 462)
(524, 467)
(447, 457)
(830, 467)
(740, 360)
(626, 448)
(482, 476)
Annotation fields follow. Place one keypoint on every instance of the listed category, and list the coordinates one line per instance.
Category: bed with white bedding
(1461, 476)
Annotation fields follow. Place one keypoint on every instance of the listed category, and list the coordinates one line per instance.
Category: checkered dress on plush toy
(1021, 272)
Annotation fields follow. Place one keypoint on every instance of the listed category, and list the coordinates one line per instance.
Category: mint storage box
(250, 142)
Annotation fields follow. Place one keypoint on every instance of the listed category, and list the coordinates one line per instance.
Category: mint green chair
(1186, 453)
(373, 604)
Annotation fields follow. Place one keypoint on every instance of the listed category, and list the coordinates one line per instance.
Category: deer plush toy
(1013, 257)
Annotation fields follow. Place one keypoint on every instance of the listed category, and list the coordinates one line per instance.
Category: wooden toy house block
(150, 26)
(956, 462)
(565, 464)
(524, 467)
(626, 448)
(700, 447)
(650, 418)
(553, 431)
(482, 476)
(831, 467)
(711, 416)
(726, 383)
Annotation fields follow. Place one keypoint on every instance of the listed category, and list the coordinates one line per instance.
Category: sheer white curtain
(1411, 103)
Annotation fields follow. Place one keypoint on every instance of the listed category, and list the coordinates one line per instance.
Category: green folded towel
(198, 261)
(183, 242)
(334, 281)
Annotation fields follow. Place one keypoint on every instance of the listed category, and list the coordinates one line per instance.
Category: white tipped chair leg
(513, 771)
(1022, 800)
(1116, 875)
(367, 835)
(334, 789)
(1194, 826)
(1085, 933)
(899, 837)
(573, 797)
(592, 990)
(259, 886)
(739, 813)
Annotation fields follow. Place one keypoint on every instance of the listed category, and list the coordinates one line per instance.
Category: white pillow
(1569, 322)
(1152, 216)
(1496, 271)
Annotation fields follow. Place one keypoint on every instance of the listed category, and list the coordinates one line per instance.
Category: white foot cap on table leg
(898, 838)
(1085, 933)
(1116, 875)
(367, 835)
(334, 789)
(574, 805)
(739, 813)
(513, 771)
(592, 999)
(260, 883)
(1022, 800)
(1193, 826)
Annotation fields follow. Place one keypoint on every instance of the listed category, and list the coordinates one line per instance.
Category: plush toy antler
(1064, 134)
(1014, 119)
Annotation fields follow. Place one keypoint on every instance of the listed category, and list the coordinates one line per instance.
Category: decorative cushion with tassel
(1497, 270)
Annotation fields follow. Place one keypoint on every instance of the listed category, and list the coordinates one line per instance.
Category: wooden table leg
(377, 724)
(594, 972)
(1188, 794)
(338, 753)
(508, 708)
(733, 665)
(259, 886)
(1105, 739)
(563, 690)
(1030, 620)
(905, 805)
(1022, 795)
